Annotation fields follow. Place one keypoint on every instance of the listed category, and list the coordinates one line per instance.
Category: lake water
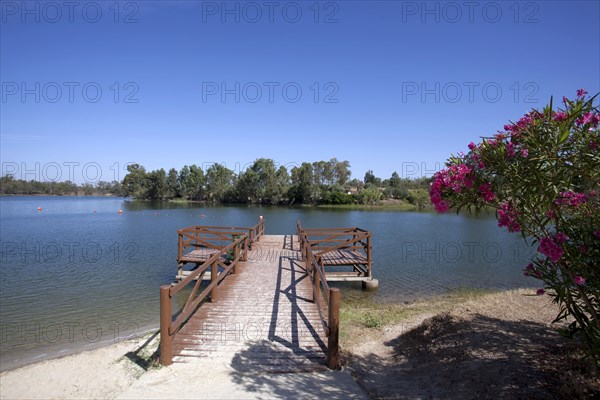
(79, 275)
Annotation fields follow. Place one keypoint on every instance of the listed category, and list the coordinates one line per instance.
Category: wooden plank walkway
(344, 257)
(199, 255)
(263, 319)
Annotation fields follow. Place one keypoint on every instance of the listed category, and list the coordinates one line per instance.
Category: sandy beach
(121, 371)
(505, 341)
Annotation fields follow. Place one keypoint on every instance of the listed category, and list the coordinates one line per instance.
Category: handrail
(326, 240)
(168, 327)
(191, 236)
(316, 270)
(239, 243)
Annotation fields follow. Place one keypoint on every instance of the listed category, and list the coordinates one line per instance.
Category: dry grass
(363, 320)
(467, 345)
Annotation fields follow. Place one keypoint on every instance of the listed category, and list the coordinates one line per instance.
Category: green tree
(370, 178)
(369, 196)
(219, 181)
(157, 189)
(246, 187)
(196, 183)
(302, 190)
(266, 180)
(135, 183)
(283, 183)
(420, 198)
(395, 180)
(173, 184)
(341, 172)
(184, 182)
(87, 188)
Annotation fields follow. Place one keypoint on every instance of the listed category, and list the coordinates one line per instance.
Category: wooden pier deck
(267, 305)
(264, 317)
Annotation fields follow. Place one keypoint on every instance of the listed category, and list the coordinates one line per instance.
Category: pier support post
(370, 284)
(333, 347)
(166, 350)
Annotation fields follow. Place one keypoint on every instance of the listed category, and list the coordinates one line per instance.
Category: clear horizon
(88, 87)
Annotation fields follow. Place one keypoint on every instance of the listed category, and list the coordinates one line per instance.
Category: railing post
(333, 348)
(179, 254)
(214, 273)
(245, 250)
(166, 341)
(369, 256)
(316, 280)
(261, 226)
(236, 254)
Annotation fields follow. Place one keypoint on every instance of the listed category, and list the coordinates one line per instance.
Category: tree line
(11, 186)
(320, 182)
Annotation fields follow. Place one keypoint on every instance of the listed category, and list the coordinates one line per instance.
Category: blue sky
(389, 86)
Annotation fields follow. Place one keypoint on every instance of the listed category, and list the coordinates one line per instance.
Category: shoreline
(33, 356)
(127, 366)
(99, 373)
(371, 310)
(384, 206)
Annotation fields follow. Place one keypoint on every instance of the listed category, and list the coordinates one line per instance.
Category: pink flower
(550, 249)
(510, 150)
(580, 280)
(529, 267)
(507, 216)
(525, 153)
(560, 116)
(597, 233)
(540, 292)
(435, 191)
(585, 119)
(581, 92)
(571, 198)
(472, 146)
(485, 190)
(442, 206)
(560, 238)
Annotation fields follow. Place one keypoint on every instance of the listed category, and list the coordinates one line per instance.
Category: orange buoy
(120, 211)
(39, 208)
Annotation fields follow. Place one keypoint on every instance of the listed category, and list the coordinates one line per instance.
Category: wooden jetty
(268, 304)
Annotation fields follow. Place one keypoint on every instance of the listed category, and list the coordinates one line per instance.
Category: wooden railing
(169, 327)
(342, 246)
(194, 237)
(322, 291)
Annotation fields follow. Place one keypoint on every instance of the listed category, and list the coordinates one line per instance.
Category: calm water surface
(78, 274)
